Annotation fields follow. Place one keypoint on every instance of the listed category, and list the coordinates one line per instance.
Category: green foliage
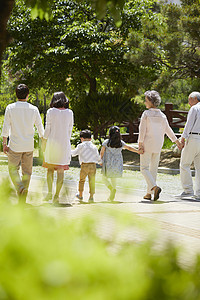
(75, 137)
(99, 111)
(40, 8)
(178, 92)
(167, 143)
(6, 99)
(168, 43)
(75, 51)
(47, 257)
(43, 9)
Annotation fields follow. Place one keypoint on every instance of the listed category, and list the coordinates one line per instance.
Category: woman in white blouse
(153, 127)
(56, 143)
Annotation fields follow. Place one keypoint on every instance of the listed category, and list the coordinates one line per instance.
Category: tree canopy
(42, 8)
(170, 42)
(75, 50)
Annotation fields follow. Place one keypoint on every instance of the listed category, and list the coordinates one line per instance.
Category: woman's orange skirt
(55, 167)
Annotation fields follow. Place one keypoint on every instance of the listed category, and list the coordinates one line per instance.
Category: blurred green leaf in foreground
(46, 254)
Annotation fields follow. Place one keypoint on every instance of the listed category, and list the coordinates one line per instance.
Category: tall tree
(42, 8)
(6, 7)
(75, 50)
(169, 43)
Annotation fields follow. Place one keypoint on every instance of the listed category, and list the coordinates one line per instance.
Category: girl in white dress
(56, 142)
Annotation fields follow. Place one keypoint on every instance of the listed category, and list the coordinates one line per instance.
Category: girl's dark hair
(114, 137)
(59, 100)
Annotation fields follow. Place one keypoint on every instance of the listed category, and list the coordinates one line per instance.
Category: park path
(171, 219)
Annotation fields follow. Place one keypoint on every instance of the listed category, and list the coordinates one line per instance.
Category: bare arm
(133, 149)
(102, 151)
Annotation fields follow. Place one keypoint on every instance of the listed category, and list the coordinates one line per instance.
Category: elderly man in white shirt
(190, 140)
(19, 121)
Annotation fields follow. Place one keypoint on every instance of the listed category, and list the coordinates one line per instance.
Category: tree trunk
(6, 7)
(93, 85)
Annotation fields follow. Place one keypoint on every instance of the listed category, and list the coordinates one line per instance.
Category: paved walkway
(171, 219)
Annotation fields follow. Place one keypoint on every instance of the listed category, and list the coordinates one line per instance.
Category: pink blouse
(153, 126)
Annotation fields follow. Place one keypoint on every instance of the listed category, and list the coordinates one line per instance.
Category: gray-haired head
(154, 97)
(195, 95)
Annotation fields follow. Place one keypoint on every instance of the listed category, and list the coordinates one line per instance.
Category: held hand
(141, 149)
(5, 149)
(182, 146)
(182, 143)
(179, 145)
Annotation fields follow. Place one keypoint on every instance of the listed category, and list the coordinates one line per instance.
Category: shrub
(44, 255)
(99, 111)
(167, 143)
(6, 99)
(75, 137)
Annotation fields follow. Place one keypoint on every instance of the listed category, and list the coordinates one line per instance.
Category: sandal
(157, 191)
(147, 197)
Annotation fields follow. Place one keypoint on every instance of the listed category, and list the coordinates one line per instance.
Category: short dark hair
(85, 134)
(59, 100)
(22, 91)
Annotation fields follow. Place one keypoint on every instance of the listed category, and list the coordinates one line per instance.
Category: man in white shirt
(19, 121)
(190, 140)
(88, 157)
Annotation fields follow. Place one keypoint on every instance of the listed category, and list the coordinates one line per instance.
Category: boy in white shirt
(19, 121)
(88, 157)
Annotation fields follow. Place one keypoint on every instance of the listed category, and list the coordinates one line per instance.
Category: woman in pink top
(153, 127)
(56, 142)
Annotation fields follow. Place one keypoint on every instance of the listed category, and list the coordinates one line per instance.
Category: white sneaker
(195, 197)
(184, 195)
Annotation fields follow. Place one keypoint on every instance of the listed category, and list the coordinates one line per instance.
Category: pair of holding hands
(140, 149)
(180, 144)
